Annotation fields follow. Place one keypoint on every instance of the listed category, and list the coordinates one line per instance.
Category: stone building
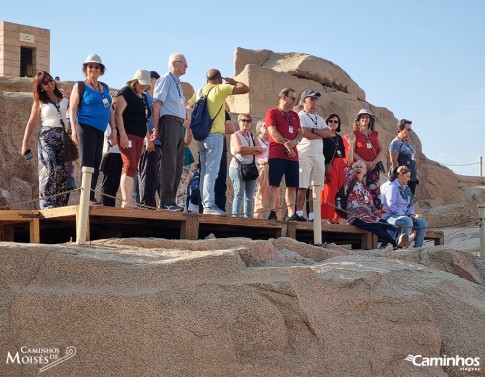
(24, 50)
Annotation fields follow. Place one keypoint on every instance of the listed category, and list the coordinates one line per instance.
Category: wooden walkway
(58, 225)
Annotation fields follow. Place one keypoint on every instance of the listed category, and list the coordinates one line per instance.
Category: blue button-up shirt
(170, 92)
(150, 119)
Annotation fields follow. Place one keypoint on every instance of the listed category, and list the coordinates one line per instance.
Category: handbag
(249, 172)
(70, 151)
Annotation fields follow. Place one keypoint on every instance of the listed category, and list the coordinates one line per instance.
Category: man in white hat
(310, 150)
(169, 115)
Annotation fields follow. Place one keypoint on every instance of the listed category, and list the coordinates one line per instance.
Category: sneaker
(214, 211)
(272, 215)
(296, 217)
(94, 202)
(403, 241)
(411, 238)
(173, 207)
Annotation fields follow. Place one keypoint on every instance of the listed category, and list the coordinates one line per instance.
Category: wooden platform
(58, 225)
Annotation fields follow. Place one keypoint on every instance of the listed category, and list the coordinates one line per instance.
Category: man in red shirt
(284, 129)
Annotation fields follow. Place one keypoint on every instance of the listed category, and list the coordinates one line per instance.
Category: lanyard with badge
(288, 119)
(101, 91)
(178, 88)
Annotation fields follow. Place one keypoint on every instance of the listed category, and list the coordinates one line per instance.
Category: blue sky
(423, 60)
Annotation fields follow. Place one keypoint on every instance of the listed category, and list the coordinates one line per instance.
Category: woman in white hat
(132, 112)
(368, 149)
(90, 113)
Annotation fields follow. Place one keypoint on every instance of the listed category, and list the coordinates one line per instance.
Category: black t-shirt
(136, 112)
(333, 146)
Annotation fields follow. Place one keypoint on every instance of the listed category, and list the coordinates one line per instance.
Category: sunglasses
(93, 66)
(48, 80)
(408, 129)
(330, 121)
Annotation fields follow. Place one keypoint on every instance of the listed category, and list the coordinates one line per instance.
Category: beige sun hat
(142, 76)
(93, 58)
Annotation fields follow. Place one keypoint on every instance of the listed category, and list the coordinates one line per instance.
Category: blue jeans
(210, 150)
(243, 190)
(406, 224)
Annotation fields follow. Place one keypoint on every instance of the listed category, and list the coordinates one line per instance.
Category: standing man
(210, 148)
(284, 129)
(310, 150)
(169, 114)
(150, 159)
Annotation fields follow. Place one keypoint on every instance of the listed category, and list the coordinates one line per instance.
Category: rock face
(162, 308)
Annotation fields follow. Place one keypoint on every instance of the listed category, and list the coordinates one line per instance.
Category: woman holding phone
(50, 108)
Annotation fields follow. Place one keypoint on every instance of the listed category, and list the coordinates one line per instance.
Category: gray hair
(174, 57)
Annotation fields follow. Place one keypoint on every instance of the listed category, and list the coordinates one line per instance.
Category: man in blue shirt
(169, 113)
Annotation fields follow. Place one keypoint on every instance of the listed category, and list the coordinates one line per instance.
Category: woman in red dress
(335, 160)
(368, 149)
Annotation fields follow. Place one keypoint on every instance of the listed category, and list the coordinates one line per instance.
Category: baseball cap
(309, 93)
(142, 76)
(154, 75)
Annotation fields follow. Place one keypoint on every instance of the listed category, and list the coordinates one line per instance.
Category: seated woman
(361, 210)
(398, 206)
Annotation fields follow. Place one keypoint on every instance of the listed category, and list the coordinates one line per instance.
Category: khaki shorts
(312, 168)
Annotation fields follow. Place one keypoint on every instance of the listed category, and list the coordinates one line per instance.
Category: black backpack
(341, 199)
(200, 120)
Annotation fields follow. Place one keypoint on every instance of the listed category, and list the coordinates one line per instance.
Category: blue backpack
(194, 193)
(200, 120)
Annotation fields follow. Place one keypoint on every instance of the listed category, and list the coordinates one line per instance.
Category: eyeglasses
(180, 61)
(332, 121)
(246, 120)
(47, 80)
(93, 66)
(408, 129)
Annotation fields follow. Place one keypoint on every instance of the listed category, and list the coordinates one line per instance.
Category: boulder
(300, 65)
(179, 308)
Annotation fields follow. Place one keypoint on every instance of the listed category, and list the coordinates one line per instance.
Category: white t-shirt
(311, 147)
(246, 158)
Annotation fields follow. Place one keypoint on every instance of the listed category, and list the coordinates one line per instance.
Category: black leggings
(90, 151)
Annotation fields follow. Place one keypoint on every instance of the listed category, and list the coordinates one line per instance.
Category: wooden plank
(7, 232)
(291, 229)
(67, 211)
(189, 229)
(13, 215)
(34, 228)
(436, 235)
(136, 213)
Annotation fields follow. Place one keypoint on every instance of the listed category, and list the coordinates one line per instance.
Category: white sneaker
(214, 211)
(403, 241)
(410, 239)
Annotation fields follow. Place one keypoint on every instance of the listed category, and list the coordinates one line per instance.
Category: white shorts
(312, 168)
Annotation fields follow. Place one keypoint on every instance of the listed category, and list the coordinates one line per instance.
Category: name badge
(413, 157)
(339, 154)
(290, 129)
(105, 102)
(369, 145)
(182, 101)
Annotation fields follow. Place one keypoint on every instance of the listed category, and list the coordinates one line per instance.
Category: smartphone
(28, 154)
